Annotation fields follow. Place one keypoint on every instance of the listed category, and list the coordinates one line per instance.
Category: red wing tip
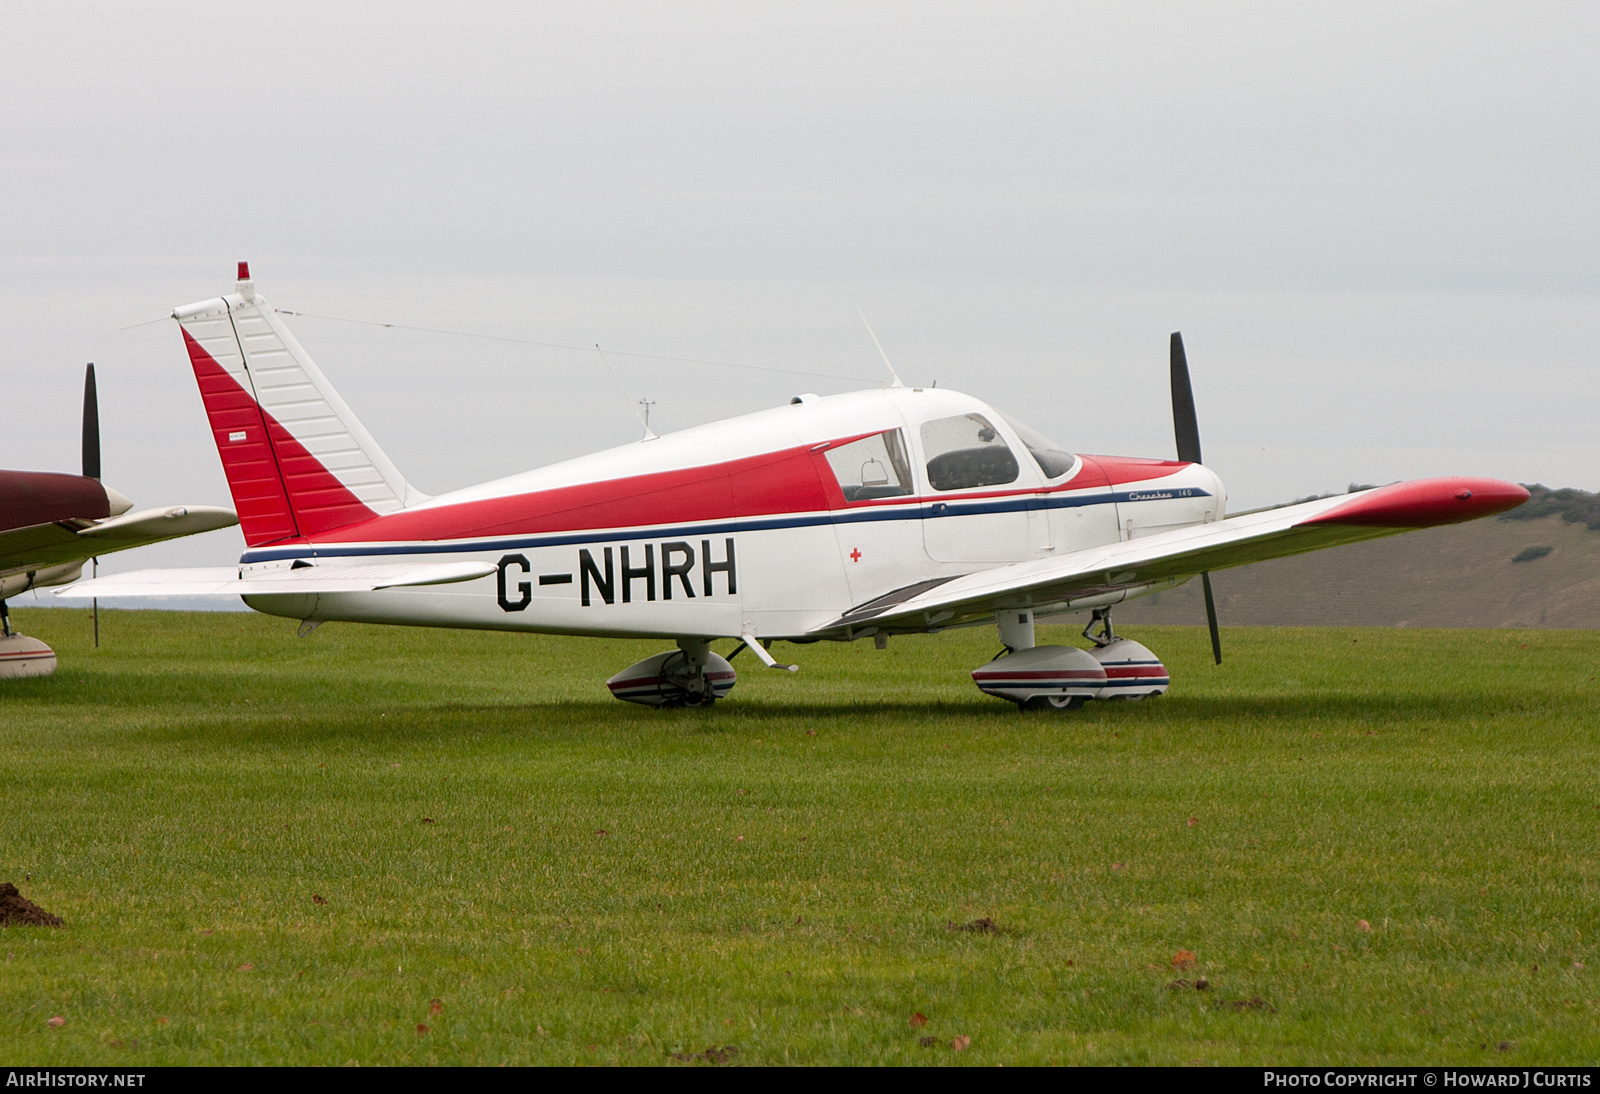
(1425, 503)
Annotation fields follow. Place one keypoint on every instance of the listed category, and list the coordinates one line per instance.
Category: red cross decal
(855, 554)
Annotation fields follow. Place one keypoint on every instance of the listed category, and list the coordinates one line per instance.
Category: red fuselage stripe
(793, 480)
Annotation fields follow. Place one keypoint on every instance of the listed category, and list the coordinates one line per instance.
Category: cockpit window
(1052, 459)
(966, 452)
(873, 467)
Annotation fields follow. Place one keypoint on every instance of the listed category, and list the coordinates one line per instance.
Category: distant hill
(1536, 566)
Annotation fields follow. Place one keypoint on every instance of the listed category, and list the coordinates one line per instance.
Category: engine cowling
(670, 680)
(1132, 671)
(1055, 676)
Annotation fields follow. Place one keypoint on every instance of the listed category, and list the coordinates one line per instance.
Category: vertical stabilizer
(298, 461)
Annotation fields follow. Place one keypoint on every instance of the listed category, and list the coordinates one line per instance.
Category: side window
(966, 451)
(873, 467)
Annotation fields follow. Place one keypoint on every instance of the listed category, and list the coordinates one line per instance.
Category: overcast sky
(1375, 223)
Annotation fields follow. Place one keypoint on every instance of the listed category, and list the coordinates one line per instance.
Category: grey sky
(1376, 223)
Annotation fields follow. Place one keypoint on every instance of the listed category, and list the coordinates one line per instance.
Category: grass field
(576, 880)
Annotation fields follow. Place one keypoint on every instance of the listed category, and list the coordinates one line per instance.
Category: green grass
(777, 873)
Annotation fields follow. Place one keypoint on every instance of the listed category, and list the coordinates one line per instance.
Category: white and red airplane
(864, 515)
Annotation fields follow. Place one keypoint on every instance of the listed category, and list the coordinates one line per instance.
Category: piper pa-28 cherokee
(864, 515)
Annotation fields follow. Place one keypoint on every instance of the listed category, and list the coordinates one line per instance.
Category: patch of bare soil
(17, 910)
(711, 1055)
(977, 926)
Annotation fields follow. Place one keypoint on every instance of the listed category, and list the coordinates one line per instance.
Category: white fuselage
(748, 526)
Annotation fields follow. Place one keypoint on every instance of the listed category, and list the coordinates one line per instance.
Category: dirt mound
(17, 910)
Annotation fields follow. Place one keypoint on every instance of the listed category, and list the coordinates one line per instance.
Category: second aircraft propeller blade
(91, 426)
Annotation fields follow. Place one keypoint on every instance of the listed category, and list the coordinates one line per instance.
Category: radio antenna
(644, 419)
(879, 344)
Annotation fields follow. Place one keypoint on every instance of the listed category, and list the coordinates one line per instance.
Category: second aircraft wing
(40, 546)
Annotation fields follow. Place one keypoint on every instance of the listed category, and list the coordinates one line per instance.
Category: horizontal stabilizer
(312, 578)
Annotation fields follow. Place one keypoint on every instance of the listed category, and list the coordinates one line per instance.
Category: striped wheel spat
(1058, 672)
(658, 679)
(1136, 674)
(1131, 670)
(642, 689)
(24, 656)
(1070, 682)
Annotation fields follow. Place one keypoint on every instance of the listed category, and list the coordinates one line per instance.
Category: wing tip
(1425, 503)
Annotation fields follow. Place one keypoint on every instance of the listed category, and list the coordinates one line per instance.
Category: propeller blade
(1186, 426)
(91, 426)
(1211, 618)
(1184, 422)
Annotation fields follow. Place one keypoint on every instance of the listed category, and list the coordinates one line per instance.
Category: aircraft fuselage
(770, 524)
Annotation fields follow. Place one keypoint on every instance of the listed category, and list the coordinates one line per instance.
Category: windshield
(1052, 459)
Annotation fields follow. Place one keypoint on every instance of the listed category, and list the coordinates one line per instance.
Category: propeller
(1186, 427)
(91, 426)
(91, 461)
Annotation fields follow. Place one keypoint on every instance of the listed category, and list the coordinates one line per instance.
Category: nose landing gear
(1132, 671)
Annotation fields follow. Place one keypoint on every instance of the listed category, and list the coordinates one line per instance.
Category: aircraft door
(965, 518)
(1078, 503)
(1086, 515)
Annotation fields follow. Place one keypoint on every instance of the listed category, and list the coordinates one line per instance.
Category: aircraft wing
(41, 546)
(1108, 574)
(309, 578)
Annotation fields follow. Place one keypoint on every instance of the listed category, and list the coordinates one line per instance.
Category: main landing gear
(689, 676)
(1066, 677)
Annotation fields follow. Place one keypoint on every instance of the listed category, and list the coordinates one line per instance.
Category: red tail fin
(298, 462)
(280, 490)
